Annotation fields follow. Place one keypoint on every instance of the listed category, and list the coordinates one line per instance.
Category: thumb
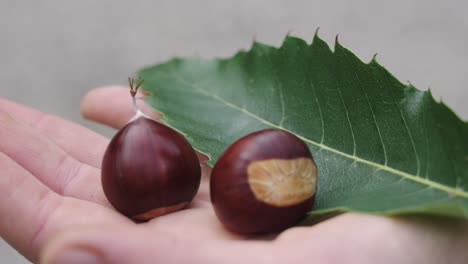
(138, 244)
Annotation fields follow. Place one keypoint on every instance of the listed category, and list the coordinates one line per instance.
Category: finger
(48, 162)
(112, 106)
(17, 210)
(362, 238)
(81, 143)
(133, 245)
(31, 213)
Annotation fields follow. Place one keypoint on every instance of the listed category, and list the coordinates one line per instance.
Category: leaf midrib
(415, 178)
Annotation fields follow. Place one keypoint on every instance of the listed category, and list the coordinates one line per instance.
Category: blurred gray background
(53, 51)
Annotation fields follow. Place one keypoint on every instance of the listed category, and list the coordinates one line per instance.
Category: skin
(53, 210)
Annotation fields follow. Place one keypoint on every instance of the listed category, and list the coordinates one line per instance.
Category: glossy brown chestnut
(149, 169)
(264, 182)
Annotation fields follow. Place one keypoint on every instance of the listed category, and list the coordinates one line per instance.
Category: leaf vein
(371, 110)
(347, 117)
(418, 164)
(435, 185)
(312, 86)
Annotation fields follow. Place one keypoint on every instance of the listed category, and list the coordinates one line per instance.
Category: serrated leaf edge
(415, 178)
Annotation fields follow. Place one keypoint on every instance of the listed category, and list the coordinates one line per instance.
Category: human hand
(53, 209)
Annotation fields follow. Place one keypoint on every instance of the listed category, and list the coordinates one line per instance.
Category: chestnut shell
(149, 169)
(234, 201)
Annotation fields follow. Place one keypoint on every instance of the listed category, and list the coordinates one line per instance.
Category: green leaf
(380, 146)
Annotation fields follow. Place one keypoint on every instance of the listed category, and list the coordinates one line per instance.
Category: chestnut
(149, 169)
(264, 182)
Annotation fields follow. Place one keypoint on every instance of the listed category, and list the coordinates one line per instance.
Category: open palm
(51, 201)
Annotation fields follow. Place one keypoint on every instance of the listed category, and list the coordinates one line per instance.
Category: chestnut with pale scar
(281, 182)
(264, 182)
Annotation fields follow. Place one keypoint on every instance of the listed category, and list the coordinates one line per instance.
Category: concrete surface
(53, 51)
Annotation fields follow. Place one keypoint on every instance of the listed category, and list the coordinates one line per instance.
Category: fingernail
(75, 255)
